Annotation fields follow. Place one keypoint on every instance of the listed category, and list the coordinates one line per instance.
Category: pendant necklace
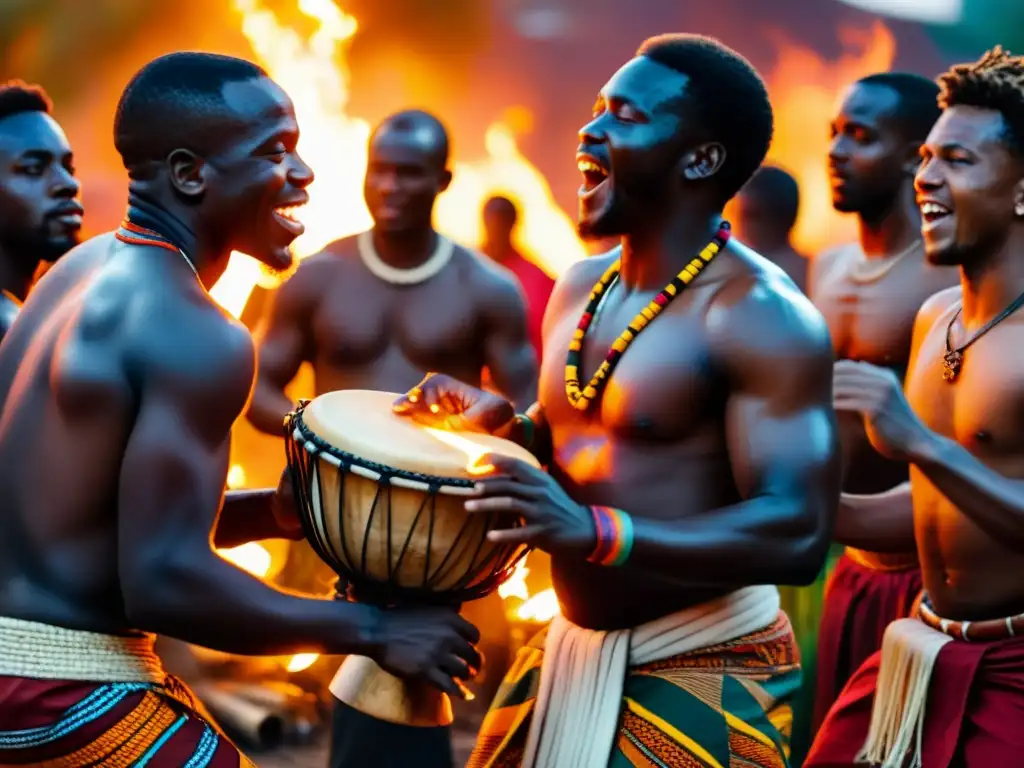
(953, 360)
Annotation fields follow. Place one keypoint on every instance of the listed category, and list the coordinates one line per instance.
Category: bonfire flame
(540, 608)
(313, 72)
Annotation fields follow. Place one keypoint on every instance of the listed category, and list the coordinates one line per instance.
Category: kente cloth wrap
(861, 600)
(964, 701)
(723, 704)
(70, 698)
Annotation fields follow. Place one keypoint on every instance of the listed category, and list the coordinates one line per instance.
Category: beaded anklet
(614, 536)
(582, 399)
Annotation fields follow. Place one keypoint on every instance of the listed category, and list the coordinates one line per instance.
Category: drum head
(361, 422)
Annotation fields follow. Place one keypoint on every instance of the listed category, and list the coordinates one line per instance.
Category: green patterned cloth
(718, 707)
(804, 605)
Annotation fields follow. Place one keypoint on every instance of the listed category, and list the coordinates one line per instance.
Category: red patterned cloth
(973, 714)
(67, 724)
(860, 602)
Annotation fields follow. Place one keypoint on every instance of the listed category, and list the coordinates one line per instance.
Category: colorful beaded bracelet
(614, 530)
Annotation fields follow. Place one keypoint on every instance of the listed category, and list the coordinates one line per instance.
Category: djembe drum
(381, 502)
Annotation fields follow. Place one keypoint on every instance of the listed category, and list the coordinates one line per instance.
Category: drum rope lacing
(305, 457)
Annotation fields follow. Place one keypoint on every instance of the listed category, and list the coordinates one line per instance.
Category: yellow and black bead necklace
(583, 398)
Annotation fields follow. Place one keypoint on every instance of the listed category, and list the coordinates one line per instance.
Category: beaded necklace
(582, 399)
(130, 232)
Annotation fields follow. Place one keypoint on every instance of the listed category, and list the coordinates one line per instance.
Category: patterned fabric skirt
(860, 602)
(721, 706)
(73, 724)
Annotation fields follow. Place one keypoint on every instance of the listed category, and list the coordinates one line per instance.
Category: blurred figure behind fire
(765, 213)
(40, 215)
(500, 218)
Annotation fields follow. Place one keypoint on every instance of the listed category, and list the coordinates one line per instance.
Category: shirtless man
(766, 211)
(960, 425)
(122, 380)
(378, 311)
(40, 215)
(715, 433)
(869, 294)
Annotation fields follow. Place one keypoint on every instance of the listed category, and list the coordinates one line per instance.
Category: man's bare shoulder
(175, 330)
(758, 311)
(338, 255)
(834, 253)
(303, 289)
(479, 269)
(494, 289)
(822, 265)
(581, 276)
(346, 247)
(935, 306)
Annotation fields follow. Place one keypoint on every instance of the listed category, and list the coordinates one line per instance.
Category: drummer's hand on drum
(431, 644)
(443, 402)
(552, 520)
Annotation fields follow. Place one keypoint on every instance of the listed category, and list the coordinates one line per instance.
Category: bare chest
(362, 319)
(873, 320)
(983, 409)
(663, 388)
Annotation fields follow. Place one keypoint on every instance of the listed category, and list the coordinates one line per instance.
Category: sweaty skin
(872, 320)
(967, 560)
(122, 380)
(967, 477)
(729, 418)
(715, 432)
(361, 332)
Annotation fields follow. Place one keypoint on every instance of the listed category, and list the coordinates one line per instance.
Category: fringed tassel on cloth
(909, 651)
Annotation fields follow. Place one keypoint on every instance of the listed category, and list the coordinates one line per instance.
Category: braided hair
(995, 81)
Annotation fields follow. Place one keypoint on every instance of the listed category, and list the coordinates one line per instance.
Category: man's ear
(703, 162)
(188, 172)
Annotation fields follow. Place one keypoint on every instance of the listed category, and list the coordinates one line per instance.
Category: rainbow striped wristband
(614, 530)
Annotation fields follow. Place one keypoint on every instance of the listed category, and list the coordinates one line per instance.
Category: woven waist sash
(42, 651)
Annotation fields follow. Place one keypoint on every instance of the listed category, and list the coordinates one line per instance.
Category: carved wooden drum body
(381, 501)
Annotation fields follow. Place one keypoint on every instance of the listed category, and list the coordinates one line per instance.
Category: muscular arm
(172, 480)
(508, 353)
(283, 347)
(994, 502)
(252, 515)
(884, 522)
(784, 450)
(881, 522)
